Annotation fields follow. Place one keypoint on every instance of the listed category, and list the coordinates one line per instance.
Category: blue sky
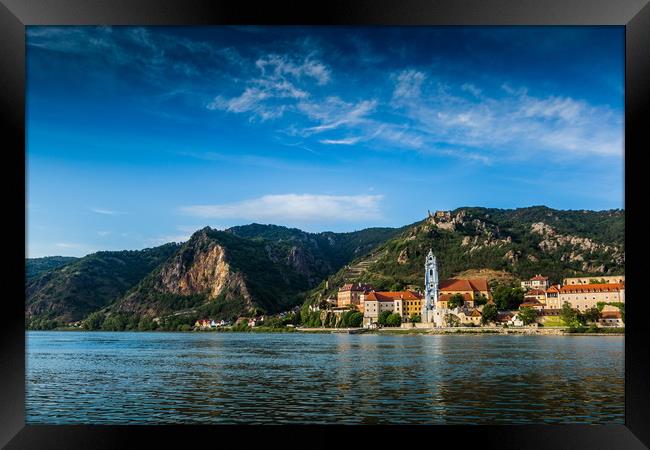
(140, 136)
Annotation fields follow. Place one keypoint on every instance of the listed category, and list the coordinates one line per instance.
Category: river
(288, 378)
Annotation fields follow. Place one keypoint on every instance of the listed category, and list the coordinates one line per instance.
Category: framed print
(421, 219)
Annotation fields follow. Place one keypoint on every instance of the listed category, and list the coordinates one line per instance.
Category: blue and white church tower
(430, 287)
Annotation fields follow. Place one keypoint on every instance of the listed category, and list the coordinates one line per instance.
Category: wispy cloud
(334, 113)
(344, 141)
(294, 207)
(108, 212)
(275, 89)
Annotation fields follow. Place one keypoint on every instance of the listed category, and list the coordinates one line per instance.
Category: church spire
(430, 285)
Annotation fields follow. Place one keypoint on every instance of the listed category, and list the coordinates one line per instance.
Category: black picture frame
(16, 14)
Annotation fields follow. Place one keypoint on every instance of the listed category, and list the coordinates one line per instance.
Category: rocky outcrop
(200, 268)
(580, 248)
(403, 256)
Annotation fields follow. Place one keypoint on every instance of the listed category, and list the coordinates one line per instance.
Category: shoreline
(387, 331)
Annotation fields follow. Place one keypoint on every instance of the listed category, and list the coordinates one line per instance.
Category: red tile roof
(539, 278)
(536, 292)
(610, 315)
(600, 287)
(473, 284)
(389, 296)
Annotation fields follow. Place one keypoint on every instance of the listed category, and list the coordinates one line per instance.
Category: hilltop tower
(430, 287)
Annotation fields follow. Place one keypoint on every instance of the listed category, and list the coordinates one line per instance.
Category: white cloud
(104, 233)
(515, 126)
(294, 207)
(344, 141)
(108, 212)
(334, 113)
(276, 90)
(409, 84)
(279, 66)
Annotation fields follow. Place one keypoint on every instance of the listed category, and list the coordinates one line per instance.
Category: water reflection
(297, 378)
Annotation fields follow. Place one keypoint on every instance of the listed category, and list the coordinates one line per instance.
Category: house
(470, 316)
(538, 294)
(504, 317)
(611, 319)
(202, 324)
(532, 302)
(538, 282)
(515, 320)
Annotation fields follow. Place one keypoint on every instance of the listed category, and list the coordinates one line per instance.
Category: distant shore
(550, 331)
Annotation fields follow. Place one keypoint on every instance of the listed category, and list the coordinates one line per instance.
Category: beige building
(620, 279)
(403, 303)
(471, 316)
(537, 282)
(469, 289)
(353, 294)
(585, 296)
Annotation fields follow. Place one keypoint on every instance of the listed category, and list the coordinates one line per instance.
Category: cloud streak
(107, 212)
(293, 207)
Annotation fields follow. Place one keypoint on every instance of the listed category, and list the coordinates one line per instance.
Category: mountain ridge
(256, 268)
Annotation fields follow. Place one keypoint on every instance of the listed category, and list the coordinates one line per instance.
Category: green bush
(383, 317)
(394, 320)
(94, 321)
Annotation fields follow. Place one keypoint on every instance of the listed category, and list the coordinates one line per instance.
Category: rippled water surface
(139, 378)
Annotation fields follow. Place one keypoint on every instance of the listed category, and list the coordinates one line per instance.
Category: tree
(571, 317)
(480, 299)
(489, 313)
(383, 317)
(451, 320)
(94, 321)
(507, 297)
(592, 314)
(527, 315)
(456, 300)
(355, 320)
(415, 318)
(147, 324)
(394, 320)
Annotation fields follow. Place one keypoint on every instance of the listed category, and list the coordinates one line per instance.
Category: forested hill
(518, 243)
(36, 266)
(72, 291)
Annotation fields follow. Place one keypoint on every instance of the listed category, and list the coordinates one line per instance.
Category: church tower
(430, 287)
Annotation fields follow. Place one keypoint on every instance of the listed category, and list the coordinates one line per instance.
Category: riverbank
(543, 331)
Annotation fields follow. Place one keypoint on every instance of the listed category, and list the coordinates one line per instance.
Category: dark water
(124, 378)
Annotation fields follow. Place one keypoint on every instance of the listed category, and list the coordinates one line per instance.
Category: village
(455, 303)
